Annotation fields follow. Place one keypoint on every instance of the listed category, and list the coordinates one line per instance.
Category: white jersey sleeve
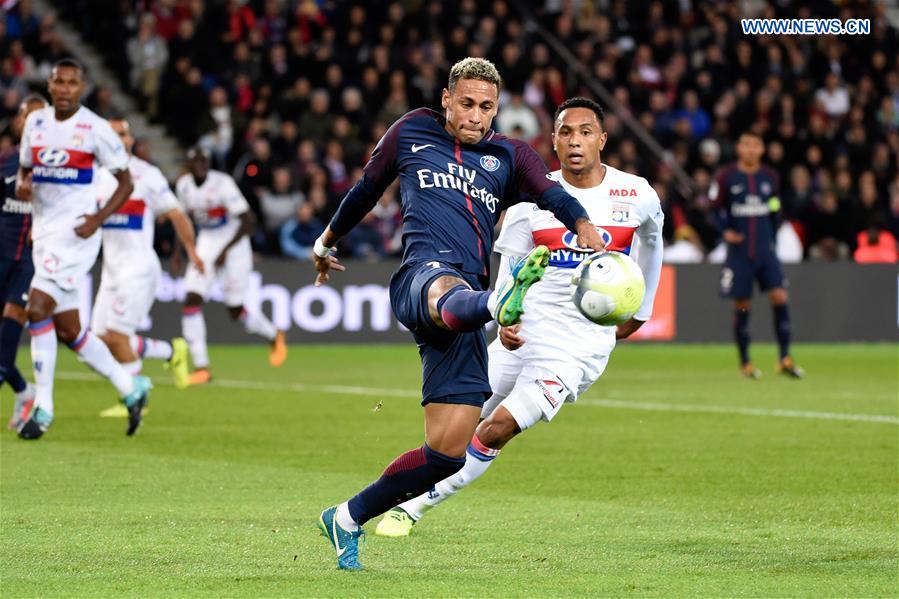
(161, 196)
(25, 143)
(516, 237)
(106, 186)
(233, 198)
(109, 149)
(649, 247)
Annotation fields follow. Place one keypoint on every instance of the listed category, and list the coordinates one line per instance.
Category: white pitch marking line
(599, 403)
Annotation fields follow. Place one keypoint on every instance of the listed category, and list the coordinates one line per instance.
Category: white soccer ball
(608, 288)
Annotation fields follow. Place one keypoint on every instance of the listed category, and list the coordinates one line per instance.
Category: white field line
(599, 403)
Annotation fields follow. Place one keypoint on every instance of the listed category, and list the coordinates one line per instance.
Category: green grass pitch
(673, 476)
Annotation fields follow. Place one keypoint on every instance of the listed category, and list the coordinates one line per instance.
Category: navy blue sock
(782, 329)
(408, 476)
(10, 331)
(741, 333)
(463, 309)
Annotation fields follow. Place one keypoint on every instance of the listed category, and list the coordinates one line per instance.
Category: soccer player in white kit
(131, 268)
(62, 146)
(225, 221)
(555, 354)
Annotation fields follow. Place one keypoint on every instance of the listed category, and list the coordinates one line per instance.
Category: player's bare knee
(436, 290)
(742, 304)
(15, 312)
(498, 429)
(39, 308)
(778, 296)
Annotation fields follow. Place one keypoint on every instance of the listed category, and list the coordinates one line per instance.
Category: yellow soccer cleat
(119, 411)
(179, 363)
(395, 523)
(278, 353)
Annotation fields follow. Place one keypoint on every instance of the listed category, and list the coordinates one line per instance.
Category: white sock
(133, 368)
(152, 349)
(477, 461)
(257, 324)
(344, 519)
(193, 326)
(95, 354)
(43, 358)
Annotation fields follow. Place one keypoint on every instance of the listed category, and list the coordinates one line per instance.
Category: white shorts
(60, 264)
(235, 274)
(121, 306)
(541, 384)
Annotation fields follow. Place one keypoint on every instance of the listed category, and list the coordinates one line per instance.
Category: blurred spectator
(686, 249)
(833, 96)
(148, 54)
(298, 234)
(876, 245)
(253, 173)
(217, 126)
(279, 203)
(515, 114)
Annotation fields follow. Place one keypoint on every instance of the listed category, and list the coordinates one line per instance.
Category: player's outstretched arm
(122, 191)
(184, 230)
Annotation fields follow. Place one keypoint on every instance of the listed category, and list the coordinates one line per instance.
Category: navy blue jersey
(452, 193)
(15, 215)
(748, 203)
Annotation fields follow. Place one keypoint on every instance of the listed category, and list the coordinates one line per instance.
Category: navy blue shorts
(15, 279)
(739, 275)
(454, 365)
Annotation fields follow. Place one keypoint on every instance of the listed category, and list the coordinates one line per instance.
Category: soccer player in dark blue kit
(748, 209)
(16, 268)
(456, 177)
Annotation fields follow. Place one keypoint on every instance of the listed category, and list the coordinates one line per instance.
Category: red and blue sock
(463, 309)
(409, 475)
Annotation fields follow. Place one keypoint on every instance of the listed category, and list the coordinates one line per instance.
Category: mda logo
(489, 163)
(53, 157)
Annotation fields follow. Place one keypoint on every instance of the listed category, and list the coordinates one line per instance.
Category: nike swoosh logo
(417, 148)
(11, 179)
(337, 546)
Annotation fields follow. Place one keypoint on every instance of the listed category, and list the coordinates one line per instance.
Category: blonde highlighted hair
(474, 68)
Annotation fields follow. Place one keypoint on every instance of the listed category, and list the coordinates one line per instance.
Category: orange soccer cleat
(199, 376)
(278, 353)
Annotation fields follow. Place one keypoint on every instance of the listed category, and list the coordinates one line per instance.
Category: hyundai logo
(53, 157)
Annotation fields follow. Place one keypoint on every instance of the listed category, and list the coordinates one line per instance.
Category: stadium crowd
(292, 95)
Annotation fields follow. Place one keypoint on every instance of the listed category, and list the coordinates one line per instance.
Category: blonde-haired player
(533, 368)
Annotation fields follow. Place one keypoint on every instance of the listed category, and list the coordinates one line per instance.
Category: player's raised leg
(460, 308)
(174, 353)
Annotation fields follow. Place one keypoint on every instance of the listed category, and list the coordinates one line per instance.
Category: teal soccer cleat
(345, 542)
(136, 401)
(510, 299)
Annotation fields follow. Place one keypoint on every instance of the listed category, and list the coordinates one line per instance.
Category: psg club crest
(765, 188)
(489, 163)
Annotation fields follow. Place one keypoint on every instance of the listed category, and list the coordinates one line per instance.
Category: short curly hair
(474, 68)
